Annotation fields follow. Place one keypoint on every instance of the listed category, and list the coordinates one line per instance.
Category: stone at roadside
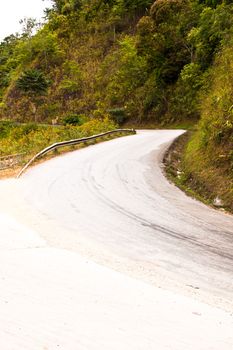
(218, 202)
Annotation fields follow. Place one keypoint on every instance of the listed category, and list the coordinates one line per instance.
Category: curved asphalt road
(112, 203)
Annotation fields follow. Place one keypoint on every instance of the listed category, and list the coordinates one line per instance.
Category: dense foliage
(150, 58)
(208, 160)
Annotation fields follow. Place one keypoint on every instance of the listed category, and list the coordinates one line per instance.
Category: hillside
(137, 62)
(208, 159)
(140, 60)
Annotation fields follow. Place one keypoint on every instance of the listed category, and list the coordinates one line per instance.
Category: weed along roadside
(210, 186)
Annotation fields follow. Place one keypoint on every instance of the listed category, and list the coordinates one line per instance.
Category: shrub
(118, 115)
(74, 119)
(32, 82)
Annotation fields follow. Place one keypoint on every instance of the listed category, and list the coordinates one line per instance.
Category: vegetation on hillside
(145, 60)
(30, 138)
(135, 61)
(208, 159)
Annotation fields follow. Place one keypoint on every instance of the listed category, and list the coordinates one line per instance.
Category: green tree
(127, 72)
(32, 82)
(34, 85)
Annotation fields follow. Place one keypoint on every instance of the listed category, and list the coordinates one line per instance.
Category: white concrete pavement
(55, 299)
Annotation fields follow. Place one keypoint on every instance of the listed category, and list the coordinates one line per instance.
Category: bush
(74, 119)
(32, 82)
(5, 128)
(118, 115)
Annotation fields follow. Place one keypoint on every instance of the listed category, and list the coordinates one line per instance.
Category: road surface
(109, 207)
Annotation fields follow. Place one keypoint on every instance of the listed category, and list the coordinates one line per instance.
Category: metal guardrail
(71, 143)
(10, 161)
